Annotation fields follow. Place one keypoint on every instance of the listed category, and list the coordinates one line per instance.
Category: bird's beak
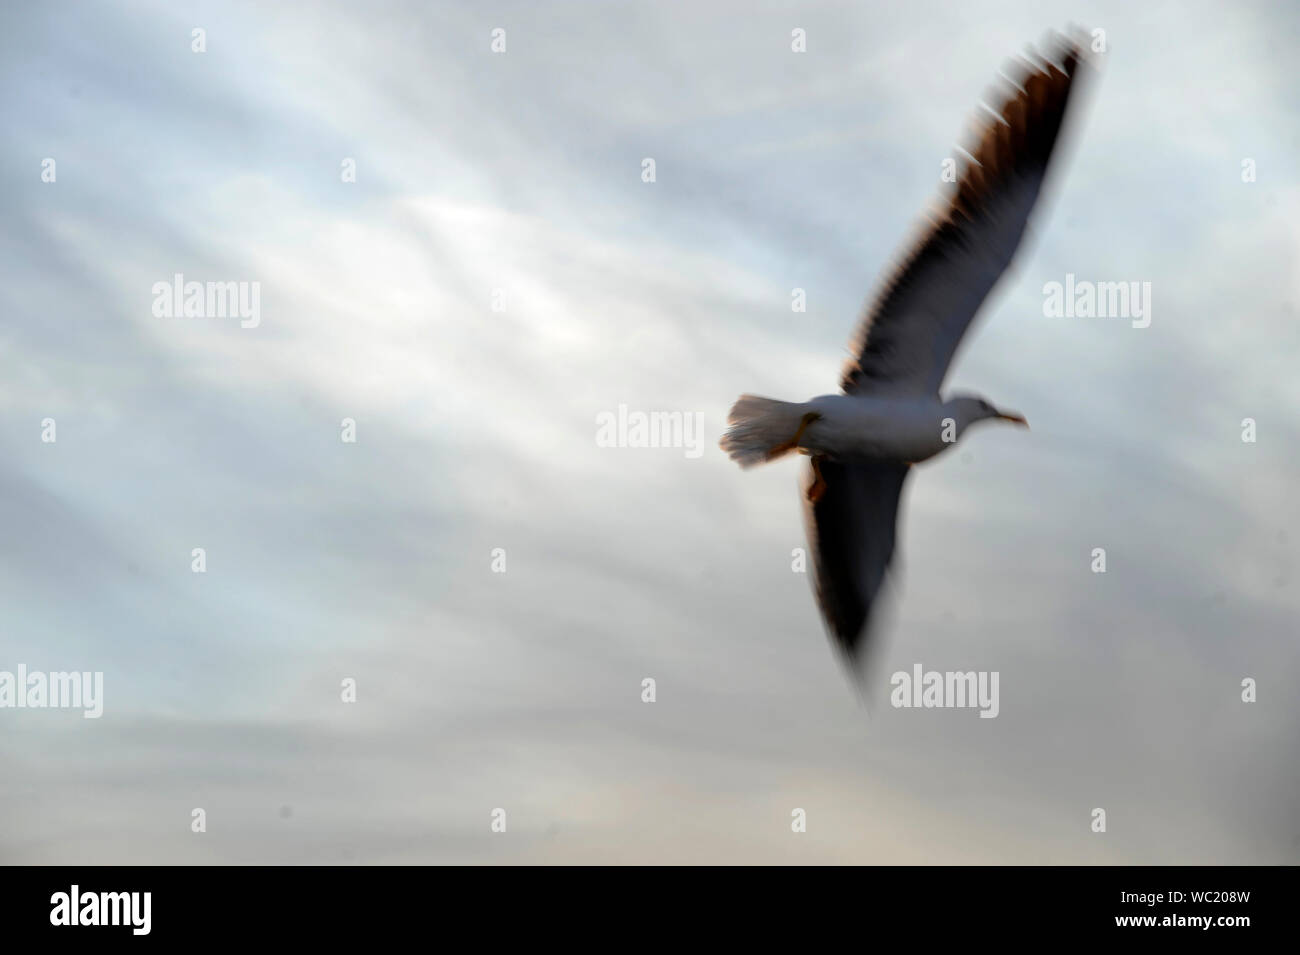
(1013, 418)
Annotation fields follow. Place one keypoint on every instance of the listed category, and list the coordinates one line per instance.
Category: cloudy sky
(520, 171)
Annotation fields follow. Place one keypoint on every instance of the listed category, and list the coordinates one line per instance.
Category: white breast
(850, 426)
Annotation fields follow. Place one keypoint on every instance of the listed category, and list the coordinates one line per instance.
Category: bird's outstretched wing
(851, 534)
(913, 326)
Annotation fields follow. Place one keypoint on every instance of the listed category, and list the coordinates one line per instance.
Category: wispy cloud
(521, 173)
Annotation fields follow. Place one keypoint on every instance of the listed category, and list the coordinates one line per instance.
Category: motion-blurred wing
(912, 328)
(851, 536)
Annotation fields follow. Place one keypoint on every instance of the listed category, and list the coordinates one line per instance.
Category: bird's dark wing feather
(851, 535)
(912, 328)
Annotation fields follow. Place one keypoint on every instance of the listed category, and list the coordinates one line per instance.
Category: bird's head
(967, 409)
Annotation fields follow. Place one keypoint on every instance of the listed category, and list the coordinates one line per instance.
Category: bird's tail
(761, 429)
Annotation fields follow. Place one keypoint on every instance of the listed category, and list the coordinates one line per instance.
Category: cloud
(372, 560)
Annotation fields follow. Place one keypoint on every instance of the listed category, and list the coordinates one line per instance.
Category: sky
(499, 276)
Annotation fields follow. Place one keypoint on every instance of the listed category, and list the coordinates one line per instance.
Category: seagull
(863, 442)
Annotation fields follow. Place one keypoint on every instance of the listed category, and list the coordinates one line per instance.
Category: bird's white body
(895, 428)
(905, 428)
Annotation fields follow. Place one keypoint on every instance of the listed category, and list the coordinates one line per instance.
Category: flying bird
(890, 415)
